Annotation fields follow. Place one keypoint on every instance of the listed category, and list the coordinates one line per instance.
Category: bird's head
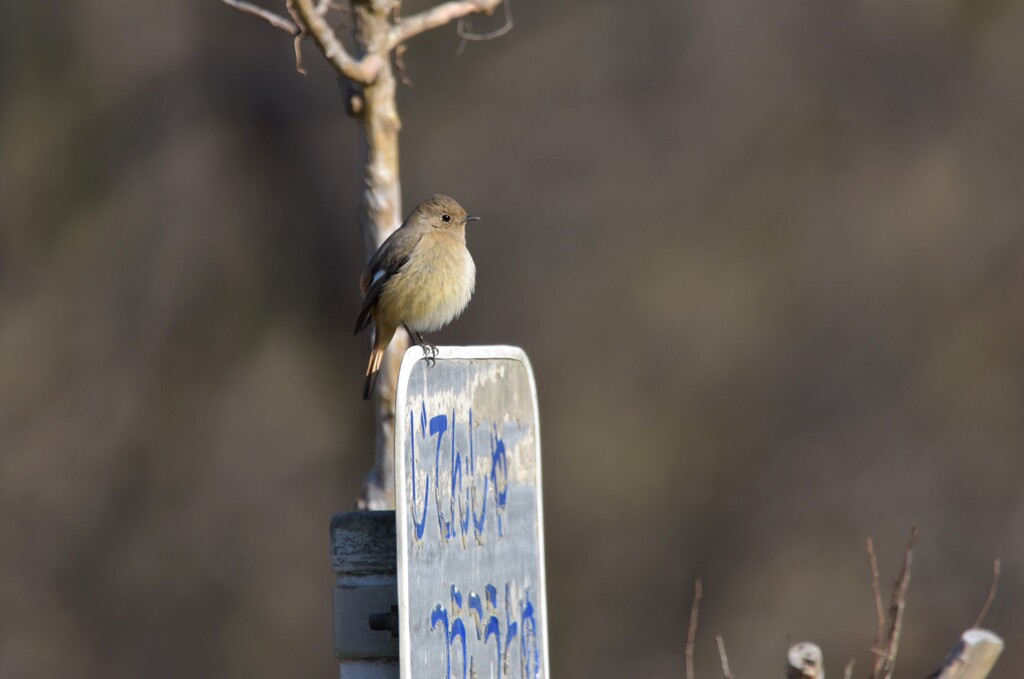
(442, 212)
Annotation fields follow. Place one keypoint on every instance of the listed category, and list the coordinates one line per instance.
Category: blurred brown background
(767, 259)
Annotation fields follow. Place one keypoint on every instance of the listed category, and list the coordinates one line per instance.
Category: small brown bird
(421, 279)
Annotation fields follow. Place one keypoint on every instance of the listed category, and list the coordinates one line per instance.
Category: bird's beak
(469, 218)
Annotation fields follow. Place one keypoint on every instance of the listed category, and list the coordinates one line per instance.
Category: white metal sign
(469, 517)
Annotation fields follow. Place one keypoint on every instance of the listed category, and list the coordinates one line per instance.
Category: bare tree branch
(437, 16)
(876, 588)
(692, 633)
(363, 71)
(376, 30)
(725, 658)
(991, 593)
(275, 20)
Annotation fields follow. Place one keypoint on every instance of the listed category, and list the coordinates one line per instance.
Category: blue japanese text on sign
(471, 591)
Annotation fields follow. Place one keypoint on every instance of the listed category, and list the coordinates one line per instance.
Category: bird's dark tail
(380, 345)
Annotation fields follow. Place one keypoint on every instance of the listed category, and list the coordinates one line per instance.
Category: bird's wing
(385, 263)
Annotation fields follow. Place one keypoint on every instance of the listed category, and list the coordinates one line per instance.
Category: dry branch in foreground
(972, 658)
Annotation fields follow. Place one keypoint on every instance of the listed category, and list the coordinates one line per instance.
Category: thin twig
(293, 27)
(275, 20)
(876, 588)
(897, 606)
(435, 17)
(848, 673)
(363, 71)
(464, 30)
(725, 658)
(991, 593)
(691, 635)
(297, 45)
(290, 5)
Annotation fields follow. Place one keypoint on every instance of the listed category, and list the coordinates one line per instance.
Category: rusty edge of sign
(485, 352)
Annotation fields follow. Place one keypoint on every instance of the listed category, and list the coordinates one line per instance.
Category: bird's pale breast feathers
(433, 287)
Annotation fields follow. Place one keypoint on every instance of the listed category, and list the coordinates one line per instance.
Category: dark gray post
(363, 557)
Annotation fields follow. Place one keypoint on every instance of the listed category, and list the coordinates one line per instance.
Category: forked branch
(309, 19)
(363, 71)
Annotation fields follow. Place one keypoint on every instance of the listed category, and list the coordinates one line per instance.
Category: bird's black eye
(446, 218)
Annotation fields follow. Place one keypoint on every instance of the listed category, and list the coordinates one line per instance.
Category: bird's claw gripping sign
(469, 517)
